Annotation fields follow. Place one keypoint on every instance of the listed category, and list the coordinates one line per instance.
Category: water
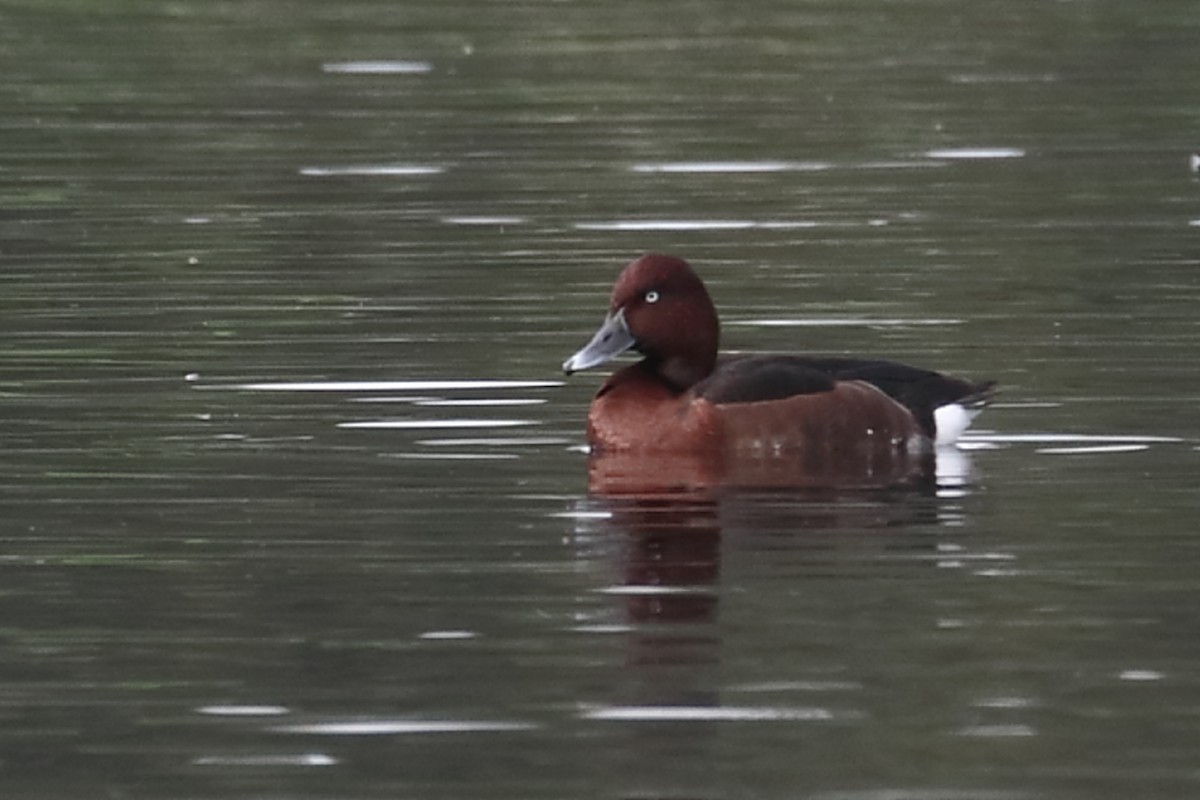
(293, 497)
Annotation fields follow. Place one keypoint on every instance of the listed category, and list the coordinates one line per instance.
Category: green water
(213, 586)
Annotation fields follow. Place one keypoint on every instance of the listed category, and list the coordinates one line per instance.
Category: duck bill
(610, 341)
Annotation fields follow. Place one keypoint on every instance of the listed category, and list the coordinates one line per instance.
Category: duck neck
(682, 373)
(680, 342)
(683, 368)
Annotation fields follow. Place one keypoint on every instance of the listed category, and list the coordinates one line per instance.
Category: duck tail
(952, 419)
(980, 395)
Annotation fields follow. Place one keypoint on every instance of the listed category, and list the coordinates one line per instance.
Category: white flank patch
(950, 421)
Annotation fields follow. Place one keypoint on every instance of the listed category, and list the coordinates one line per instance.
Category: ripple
(705, 167)
(582, 515)
(499, 441)
(483, 220)
(1030, 404)
(665, 225)
(973, 78)
(267, 760)
(602, 628)
(1047, 438)
(429, 424)
(385, 170)
(389, 386)
(707, 714)
(243, 711)
(481, 401)
(1006, 702)
(1101, 448)
(458, 635)
(799, 686)
(971, 153)
(680, 225)
(925, 794)
(654, 590)
(406, 726)
(378, 67)
(998, 731)
(454, 456)
(839, 322)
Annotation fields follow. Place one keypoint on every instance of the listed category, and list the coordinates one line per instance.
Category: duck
(686, 397)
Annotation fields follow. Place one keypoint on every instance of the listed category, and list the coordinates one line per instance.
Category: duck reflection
(670, 559)
(632, 473)
(662, 519)
(668, 539)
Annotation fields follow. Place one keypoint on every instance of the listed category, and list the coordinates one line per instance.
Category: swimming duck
(684, 397)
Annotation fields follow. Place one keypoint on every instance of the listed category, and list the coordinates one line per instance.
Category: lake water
(293, 499)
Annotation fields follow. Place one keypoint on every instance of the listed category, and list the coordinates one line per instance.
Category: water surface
(294, 498)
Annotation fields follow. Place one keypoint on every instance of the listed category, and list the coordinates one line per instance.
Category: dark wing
(922, 391)
(754, 378)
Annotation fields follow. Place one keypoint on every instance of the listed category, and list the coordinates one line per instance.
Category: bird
(685, 397)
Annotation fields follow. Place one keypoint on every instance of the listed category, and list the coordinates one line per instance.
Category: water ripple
(403, 726)
(378, 67)
(708, 714)
(973, 153)
(423, 424)
(387, 386)
(705, 167)
(386, 170)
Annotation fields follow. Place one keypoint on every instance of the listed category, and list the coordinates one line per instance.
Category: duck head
(659, 308)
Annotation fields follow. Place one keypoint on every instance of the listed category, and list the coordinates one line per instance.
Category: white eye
(651, 296)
